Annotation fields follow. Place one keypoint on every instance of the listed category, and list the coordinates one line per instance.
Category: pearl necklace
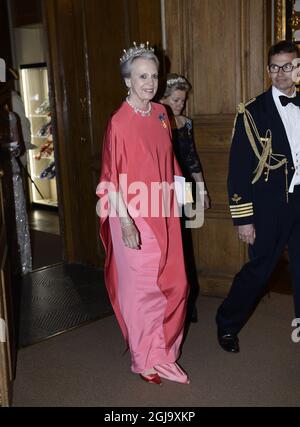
(143, 113)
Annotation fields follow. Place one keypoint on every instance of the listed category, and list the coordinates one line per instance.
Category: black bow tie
(286, 100)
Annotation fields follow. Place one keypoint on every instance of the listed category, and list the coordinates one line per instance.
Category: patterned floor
(58, 298)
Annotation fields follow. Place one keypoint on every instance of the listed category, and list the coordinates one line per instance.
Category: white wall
(29, 44)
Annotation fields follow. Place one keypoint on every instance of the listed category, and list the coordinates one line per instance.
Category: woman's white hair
(126, 67)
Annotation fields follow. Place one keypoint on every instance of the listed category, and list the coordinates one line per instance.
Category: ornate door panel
(221, 47)
(85, 88)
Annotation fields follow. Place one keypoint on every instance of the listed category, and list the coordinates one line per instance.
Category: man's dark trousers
(276, 225)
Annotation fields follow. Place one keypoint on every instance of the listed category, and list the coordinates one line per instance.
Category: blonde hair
(176, 82)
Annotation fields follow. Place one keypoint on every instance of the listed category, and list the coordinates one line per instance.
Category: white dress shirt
(290, 116)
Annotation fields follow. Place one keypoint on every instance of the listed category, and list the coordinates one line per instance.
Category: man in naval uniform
(264, 191)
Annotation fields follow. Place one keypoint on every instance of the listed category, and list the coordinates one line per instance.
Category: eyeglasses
(287, 68)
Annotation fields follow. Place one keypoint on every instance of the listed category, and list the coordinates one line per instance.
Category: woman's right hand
(130, 236)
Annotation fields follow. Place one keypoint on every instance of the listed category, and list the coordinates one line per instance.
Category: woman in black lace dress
(176, 92)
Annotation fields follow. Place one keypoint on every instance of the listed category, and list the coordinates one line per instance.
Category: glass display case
(41, 162)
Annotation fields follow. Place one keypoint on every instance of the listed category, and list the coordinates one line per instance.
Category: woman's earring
(129, 91)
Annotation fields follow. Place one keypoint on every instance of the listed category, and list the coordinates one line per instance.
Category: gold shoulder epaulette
(241, 110)
(243, 105)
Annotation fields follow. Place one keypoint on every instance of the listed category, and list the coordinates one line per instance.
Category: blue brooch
(162, 118)
(189, 126)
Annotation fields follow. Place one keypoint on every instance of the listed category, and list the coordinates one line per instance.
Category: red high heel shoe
(152, 378)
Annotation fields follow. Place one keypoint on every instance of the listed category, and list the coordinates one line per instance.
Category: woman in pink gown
(139, 224)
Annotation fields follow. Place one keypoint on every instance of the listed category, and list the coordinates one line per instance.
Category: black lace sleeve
(185, 150)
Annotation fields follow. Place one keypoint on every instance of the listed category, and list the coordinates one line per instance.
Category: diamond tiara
(179, 79)
(135, 51)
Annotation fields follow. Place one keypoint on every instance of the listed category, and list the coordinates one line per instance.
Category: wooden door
(5, 47)
(221, 47)
(6, 323)
(85, 88)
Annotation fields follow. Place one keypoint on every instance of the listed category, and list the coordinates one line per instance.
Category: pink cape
(141, 148)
